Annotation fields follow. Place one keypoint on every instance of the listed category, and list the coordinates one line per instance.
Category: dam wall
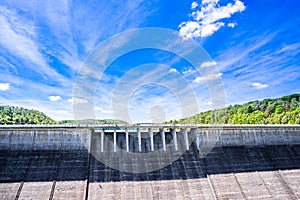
(42, 138)
(60, 162)
(45, 137)
(258, 135)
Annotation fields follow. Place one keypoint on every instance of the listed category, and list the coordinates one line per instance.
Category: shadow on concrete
(68, 165)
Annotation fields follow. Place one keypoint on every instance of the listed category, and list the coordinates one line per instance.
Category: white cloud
(209, 29)
(4, 86)
(98, 108)
(209, 1)
(54, 98)
(259, 85)
(231, 25)
(236, 56)
(75, 100)
(194, 5)
(26, 45)
(207, 20)
(189, 29)
(189, 71)
(104, 111)
(107, 111)
(61, 112)
(172, 70)
(198, 79)
(209, 103)
(207, 78)
(17, 36)
(208, 64)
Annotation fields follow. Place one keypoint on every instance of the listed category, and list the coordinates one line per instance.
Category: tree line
(284, 110)
(11, 115)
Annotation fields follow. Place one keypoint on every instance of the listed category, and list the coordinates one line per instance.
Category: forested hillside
(284, 110)
(15, 115)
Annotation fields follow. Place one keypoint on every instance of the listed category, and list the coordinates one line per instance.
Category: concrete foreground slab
(254, 185)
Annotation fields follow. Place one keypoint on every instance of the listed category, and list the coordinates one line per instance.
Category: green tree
(284, 110)
(279, 109)
(16, 115)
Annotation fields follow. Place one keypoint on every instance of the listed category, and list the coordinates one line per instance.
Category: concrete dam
(150, 162)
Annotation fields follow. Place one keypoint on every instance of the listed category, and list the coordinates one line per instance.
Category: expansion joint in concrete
(19, 190)
(212, 188)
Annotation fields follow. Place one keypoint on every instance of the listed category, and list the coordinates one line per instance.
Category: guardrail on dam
(150, 161)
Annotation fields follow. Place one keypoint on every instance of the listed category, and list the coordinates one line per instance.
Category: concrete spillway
(60, 162)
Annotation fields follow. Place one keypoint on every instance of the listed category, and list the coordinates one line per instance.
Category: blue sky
(254, 45)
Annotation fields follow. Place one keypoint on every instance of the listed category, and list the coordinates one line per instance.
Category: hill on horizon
(11, 115)
(283, 110)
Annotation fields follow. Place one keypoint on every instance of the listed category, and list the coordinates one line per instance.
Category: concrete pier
(186, 139)
(174, 135)
(127, 139)
(102, 140)
(53, 162)
(162, 132)
(115, 140)
(139, 138)
(150, 131)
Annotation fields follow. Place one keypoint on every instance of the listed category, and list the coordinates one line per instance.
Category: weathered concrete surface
(227, 172)
(54, 163)
(36, 190)
(70, 190)
(9, 190)
(254, 185)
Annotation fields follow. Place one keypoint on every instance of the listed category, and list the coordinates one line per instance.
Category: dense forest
(10, 115)
(284, 110)
(15, 115)
(92, 121)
